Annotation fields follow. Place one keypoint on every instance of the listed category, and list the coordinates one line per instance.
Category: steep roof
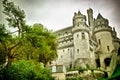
(100, 16)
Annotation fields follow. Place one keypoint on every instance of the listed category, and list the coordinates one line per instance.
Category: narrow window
(77, 35)
(83, 35)
(68, 49)
(99, 41)
(108, 48)
(77, 50)
(66, 33)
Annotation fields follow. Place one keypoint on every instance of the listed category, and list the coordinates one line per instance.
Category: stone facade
(94, 43)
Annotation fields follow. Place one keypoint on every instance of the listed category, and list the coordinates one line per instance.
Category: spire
(100, 16)
(79, 12)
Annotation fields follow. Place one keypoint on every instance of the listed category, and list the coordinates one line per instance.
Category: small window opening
(77, 50)
(99, 41)
(83, 35)
(108, 48)
(77, 35)
(98, 62)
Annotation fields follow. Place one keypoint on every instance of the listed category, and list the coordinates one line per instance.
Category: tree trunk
(10, 59)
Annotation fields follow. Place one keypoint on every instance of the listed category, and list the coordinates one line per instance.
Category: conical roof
(100, 16)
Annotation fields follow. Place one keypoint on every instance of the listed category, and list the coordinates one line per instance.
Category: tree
(4, 37)
(15, 18)
(35, 42)
(42, 44)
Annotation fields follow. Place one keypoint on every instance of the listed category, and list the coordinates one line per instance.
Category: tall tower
(90, 17)
(90, 21)
(103, 34)
(81, 40)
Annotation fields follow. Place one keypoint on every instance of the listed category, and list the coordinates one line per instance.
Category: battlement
(79, 15)
(102, 28)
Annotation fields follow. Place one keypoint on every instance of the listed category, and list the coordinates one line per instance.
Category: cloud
(57, 14)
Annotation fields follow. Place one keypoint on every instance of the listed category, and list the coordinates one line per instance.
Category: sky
(58, 14)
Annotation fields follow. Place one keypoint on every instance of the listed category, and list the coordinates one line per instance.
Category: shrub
(25, 70)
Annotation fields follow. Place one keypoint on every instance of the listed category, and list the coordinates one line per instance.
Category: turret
(103, 34)
(79, 19)
(90, 17)
(80, 32)
(79, 22)
(90, 21)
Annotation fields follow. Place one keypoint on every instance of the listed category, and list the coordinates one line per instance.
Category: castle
(95, 43)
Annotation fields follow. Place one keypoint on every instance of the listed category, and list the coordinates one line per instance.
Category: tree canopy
(32, 42)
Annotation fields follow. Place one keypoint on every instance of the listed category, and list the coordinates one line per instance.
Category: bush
(25, 70)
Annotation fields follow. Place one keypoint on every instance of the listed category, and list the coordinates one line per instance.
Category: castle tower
(80, 32)
(103, 34)
(90, 22)
(90, 18)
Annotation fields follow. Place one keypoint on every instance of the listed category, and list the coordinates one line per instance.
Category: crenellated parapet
(102, 28)
(79, 19)
(79, 15)
(101, 24)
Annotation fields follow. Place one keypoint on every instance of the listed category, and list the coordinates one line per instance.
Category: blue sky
(58, 14)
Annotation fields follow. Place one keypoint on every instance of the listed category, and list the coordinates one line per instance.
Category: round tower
(81, 40)
(103, 33)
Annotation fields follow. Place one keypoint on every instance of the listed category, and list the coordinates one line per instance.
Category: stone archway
(107, 62)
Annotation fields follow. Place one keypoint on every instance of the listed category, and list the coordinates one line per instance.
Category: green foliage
(41, 44)
(25, 70)
(15, 14)
(34, 42)
(4, 38)
(74, 78)
(87, 66)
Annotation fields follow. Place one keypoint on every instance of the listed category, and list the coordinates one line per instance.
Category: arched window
(107, 62)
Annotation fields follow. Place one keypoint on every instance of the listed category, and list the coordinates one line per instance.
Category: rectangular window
(83, 35)
(99, 41)
(77, 50)
(77, 35)
(108, 48)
